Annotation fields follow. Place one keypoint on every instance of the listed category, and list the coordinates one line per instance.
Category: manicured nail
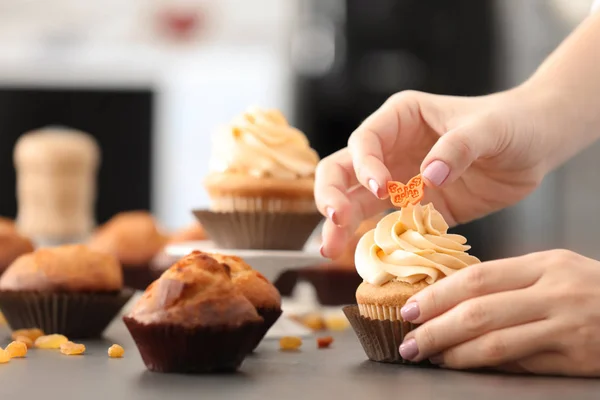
(437, 359)
(409, 349)
(374, 187)
(437, 172)
(332, 215)
(410, 311)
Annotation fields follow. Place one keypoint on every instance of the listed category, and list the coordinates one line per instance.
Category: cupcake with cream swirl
(407, 251)
(261, 169)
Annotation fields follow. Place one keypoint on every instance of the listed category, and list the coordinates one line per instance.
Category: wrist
(558, 126)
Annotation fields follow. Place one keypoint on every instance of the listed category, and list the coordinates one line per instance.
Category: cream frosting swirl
(411, 245)
(261, 143)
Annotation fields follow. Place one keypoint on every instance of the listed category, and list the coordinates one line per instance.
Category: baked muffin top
(133, 237)
(70, 268)
(7, 225)
(195, 291)
(190, 233)
(12, 245)
(256, 288)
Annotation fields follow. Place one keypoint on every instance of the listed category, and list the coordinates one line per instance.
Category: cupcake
(194, 319)
(261, 185)
(256, 288)
(407, 251)
(134, 238)
(7, 225)
(12, 245)
(70, 290)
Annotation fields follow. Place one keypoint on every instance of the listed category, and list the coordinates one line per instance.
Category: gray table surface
(341, 372)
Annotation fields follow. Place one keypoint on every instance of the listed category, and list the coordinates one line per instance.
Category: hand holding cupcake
(407, 251)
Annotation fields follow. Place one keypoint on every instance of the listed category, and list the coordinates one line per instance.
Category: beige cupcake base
(240, 192)
(373, 311)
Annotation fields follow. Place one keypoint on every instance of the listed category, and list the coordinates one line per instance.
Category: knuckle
(494, 349)
(475, 280)
(426, 340)
(473, 317)
(404, 96)
(429, 303)
(461, 144)
(562, 256)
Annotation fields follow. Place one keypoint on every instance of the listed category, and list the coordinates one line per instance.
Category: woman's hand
(484, 153)
(538, 313)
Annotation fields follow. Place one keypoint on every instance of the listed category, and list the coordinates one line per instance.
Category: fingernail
(409, 349)
(332, 215)
(410, 311)
(437, 172)
(322, 252)
(374, 187)
(436, 359)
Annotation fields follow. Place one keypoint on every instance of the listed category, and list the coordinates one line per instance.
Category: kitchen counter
(341, 372)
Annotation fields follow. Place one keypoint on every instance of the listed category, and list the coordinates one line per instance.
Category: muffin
(56, 185)
(134, 238)
(261, 184)
(256, 288)
(12, 245)
(407, 251)
(70, 290)
(192, 233)
(194, 319)
(7, 225)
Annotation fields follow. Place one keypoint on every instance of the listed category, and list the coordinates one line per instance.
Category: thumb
(457, 149)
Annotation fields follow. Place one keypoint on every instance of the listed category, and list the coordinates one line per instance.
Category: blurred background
(152, 79)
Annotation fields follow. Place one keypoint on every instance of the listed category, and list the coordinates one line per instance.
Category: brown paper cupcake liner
(270, 316)
(258, 230)
(380, 339)
(138, 277)
(175, 349)
(286, 282)
(75, 315)
(334, 286)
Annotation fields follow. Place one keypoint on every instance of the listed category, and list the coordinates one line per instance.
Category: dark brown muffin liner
(138, 277)
(270, 316)
(258, 230)
(380, 340)
(75, 315)
(334, 286)
(286, 282)
(176, 349)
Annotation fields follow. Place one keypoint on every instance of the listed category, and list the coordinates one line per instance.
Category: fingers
(470, 320)
(474, 281)
(333, 179)
(362, 205)
(501, 347)
(378, 132)
(548, 363)
(457, 149)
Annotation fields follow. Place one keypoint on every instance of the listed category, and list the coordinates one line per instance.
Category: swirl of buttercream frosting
(411, 245)
(261, 143)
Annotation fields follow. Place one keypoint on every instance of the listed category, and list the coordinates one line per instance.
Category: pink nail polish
(437, 172)
(409, 349)
(374, 187)
(410, 311)
(332, 215)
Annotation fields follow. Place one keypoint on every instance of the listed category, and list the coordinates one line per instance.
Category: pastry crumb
(116, 351)
(290, 343)
(324, 342)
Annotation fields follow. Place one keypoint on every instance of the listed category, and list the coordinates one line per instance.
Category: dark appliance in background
(350, 56)
(121, 121)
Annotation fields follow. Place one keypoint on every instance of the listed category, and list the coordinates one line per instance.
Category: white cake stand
(270, 263)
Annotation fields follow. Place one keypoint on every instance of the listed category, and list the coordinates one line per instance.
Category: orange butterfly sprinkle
(402, 195)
